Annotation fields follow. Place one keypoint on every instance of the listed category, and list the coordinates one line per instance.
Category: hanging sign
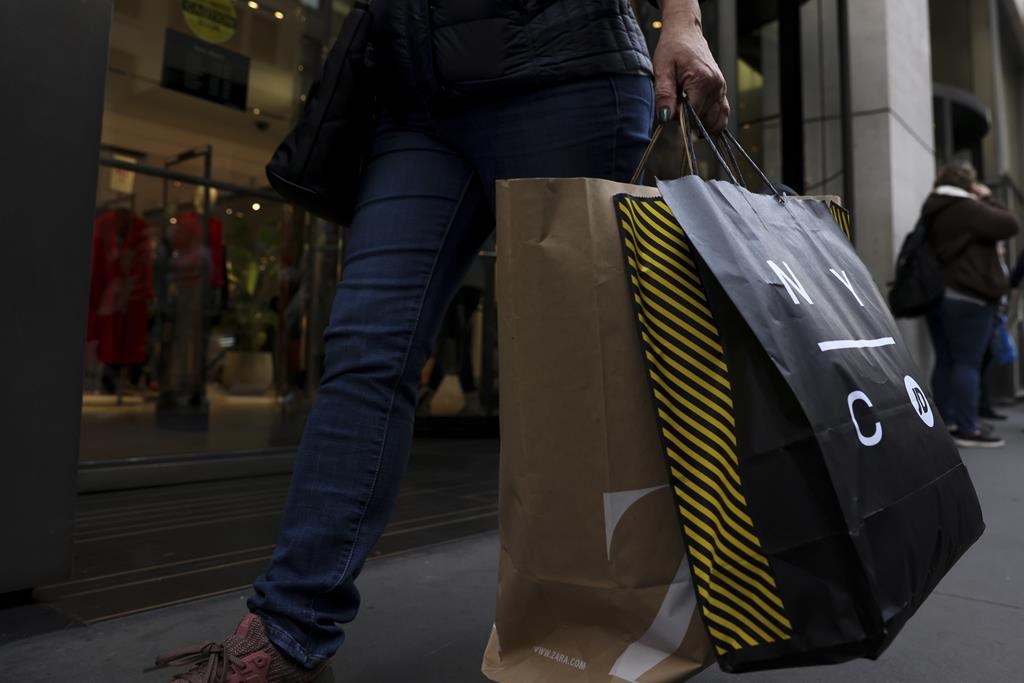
(214, 21)
(203, 70)
(122, 180)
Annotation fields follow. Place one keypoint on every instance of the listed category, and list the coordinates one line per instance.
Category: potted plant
(253, 272)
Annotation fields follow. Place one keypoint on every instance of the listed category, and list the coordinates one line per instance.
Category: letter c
(876, 436)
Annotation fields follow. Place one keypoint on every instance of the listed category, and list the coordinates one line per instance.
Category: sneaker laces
(210, 658)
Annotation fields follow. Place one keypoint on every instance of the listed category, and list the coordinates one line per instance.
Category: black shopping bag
(821, 497)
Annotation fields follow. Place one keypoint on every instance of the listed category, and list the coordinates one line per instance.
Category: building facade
(197, 348)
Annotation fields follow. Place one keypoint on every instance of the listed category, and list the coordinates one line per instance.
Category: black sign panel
(198, 68)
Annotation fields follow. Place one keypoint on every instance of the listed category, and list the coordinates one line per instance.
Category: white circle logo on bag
(919, 401)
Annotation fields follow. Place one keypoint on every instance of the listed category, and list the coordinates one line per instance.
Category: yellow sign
(212, 20)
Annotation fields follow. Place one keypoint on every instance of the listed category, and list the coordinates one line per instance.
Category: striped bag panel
(689, 377)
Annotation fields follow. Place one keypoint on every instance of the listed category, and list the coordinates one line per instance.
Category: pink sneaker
(246, 656)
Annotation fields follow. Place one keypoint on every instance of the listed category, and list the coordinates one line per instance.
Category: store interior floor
(126, 428)
(113, 430)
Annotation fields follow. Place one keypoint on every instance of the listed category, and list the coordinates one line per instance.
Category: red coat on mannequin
(121, 288)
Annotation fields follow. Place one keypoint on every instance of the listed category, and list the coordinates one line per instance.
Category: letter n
(792, 284)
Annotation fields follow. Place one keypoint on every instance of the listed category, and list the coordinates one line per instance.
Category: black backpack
(319, 164)
(921, 277)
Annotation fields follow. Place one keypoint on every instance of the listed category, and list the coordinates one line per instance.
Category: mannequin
(121, 289)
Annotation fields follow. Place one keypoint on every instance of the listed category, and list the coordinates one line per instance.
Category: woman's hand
(981, 190)
(683, 64)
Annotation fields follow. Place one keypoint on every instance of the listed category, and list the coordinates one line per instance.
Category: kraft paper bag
(594, 584)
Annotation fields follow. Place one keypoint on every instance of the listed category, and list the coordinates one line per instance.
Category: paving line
(229, 518)
(157, 522)
(981, 601)
(176, 491)
(154, 567)
(162, 523)
(163, 577)
(170, 603)
(181, 501)
(237, 563)
(247, 586)
(163, 515)
(156, 525)
(173, 527)
(278, 489)
(399, 532)
(170, 510)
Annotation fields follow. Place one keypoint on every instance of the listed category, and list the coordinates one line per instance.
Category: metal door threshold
(133, 473)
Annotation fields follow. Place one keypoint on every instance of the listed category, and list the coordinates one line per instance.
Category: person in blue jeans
(965, 228)
(470, 91)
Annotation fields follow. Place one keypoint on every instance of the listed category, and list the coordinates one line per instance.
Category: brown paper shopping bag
(593, 582)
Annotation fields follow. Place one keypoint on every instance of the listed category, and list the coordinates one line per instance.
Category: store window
(789, 96)
(208, 293)
(783, 61)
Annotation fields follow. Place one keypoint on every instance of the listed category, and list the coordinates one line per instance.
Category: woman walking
(471, 91)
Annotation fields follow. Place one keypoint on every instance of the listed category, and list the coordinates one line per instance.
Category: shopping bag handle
(650, 148)
(686, 113)
(728, 142)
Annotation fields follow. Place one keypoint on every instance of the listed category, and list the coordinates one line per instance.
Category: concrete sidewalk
(427, 614)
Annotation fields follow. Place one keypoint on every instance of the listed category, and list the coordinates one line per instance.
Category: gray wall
(893, 149)
(53, 56)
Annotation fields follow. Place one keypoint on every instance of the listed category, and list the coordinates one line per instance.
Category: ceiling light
(229, 211)
(657, 23)
(173, 221)
(255, 206)
(279, 14)
(256, 111)
(253, 4)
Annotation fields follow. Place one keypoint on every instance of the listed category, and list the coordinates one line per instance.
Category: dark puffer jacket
(450, 48)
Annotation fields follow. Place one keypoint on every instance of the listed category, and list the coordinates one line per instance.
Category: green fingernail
(663, 114)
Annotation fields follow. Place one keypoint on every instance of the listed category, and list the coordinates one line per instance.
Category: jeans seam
(292, 647)
(618, 124)
(398, 380)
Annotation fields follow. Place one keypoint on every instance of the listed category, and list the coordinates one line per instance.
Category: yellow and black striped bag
(819, 496)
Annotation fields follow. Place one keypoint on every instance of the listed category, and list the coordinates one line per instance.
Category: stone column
(893, 150)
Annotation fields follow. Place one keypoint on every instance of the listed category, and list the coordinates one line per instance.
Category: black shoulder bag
(921, 277)
(318, 165)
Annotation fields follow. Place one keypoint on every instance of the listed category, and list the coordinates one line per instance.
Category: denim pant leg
(942, 373)
(424, 212)
(420, 222)
(968, 328)
(594, 128)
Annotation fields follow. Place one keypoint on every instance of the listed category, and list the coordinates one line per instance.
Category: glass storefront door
(208, 294)
(788, 100)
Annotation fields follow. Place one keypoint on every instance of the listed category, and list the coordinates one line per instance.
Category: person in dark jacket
(966, 226)
(470, 91)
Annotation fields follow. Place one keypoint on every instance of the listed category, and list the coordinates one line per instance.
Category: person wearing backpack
(964, 227)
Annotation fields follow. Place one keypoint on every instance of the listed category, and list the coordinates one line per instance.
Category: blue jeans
(425, 208)
(961, 332)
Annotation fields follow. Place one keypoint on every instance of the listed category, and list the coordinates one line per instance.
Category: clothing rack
(113, 203)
